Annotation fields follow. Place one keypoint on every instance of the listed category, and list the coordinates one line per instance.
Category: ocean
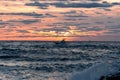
(39, 60)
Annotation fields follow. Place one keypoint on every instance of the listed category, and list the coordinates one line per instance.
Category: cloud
(28, 21)
(116, 31)
(23, 36)
(38, 4)
(72, 4)
(73, 19)
(33, 14)
(75, 16)
(113, 31)
(3, 23)
(22, 31)
(65, 24)
(94, 29)
(82, 5)
(113, 27)
(99, 22)
(49, 15)
(115, 3)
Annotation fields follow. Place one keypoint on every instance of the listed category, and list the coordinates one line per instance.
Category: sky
(54, 20)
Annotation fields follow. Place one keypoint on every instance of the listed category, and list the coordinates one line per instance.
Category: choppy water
(21, 60)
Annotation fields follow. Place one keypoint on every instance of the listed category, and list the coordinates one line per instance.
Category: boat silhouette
(61, 43)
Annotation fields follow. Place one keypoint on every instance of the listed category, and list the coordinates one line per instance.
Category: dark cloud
(24, 36)
(85, 23)
(49, 15)
(115, 3)
(113, 27)
(82, 5)
(66, 24)
(73, 19)
(94, 29)
(76, 16)
(99, 22)
(2, 22)
(110, 22)
(73, 15)
(28, 21)
(38, 4)
(22, 31)
(116, 31)
(72, 4)
(33, 14)
(113, 31)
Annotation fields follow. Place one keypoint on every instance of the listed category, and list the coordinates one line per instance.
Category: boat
(61, 43)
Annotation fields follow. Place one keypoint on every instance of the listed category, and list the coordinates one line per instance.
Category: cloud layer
(55, 20)
(72, 4)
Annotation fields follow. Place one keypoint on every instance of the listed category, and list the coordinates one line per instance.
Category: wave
(95, 72)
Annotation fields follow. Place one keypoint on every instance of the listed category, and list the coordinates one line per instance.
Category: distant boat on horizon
(61, 43)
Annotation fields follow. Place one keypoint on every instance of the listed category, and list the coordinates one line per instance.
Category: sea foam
(92, 73)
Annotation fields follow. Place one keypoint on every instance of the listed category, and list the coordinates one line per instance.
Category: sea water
(35, 60)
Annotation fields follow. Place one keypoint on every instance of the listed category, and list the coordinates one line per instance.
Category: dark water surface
(34, 60)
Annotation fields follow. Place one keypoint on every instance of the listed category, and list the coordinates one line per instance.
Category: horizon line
(66, 40)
